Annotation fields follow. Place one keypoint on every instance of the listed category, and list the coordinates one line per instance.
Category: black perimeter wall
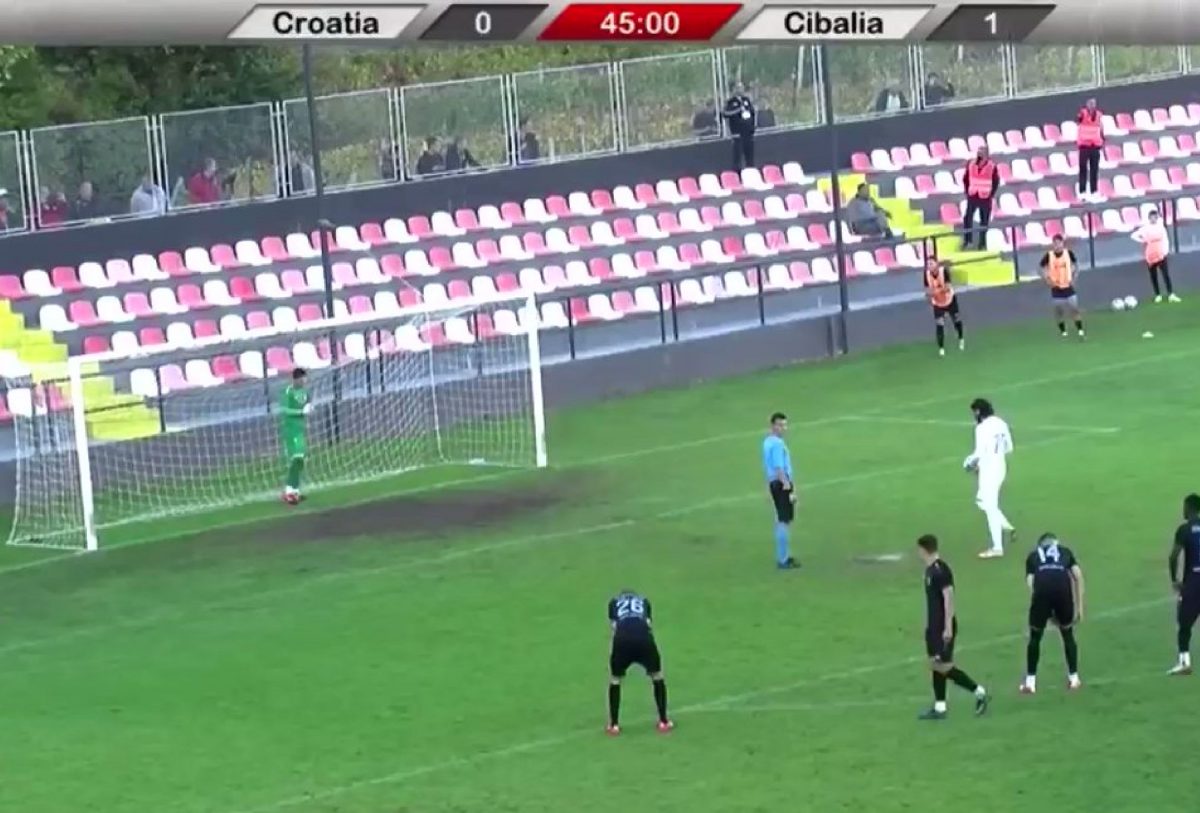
(810, 147)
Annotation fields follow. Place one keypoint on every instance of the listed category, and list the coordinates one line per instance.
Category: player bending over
(293, 430)
(993, 444)
(1187, 587)
(944, 302)
(1055, 593)
(1058, 269)
(941, 630)
(633, 642)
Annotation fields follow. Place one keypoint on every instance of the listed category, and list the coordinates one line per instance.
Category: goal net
(182, 428)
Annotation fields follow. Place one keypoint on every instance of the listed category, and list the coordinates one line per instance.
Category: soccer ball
(1130, 303)
(1118, 304)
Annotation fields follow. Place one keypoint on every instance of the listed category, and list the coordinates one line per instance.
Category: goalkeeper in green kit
(293, 432)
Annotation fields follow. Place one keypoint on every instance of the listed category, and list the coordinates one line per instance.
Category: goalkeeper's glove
(307, 408)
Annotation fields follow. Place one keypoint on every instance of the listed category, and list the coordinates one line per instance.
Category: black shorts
(785, 509)
(938, 647)
(950, 310)
(1051, 604)
(1160, 266)
(628, 650)
(1189, 605)
(1063, 293)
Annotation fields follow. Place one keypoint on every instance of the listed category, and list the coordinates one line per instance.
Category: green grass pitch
(314, 665)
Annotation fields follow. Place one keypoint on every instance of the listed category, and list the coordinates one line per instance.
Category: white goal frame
(523, 306)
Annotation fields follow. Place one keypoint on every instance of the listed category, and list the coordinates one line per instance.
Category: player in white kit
(993, 444)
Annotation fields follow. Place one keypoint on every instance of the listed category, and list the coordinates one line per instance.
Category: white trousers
(987, 497)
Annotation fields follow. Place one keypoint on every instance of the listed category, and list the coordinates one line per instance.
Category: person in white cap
(1156, 245)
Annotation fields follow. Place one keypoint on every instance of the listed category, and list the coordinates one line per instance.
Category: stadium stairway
(111, 415)
(970, 267)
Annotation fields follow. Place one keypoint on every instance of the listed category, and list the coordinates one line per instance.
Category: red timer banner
(640, 21)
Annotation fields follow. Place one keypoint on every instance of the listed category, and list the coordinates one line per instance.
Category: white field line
(717, 704)
(649, 451)
(487, 548)
(967, 426)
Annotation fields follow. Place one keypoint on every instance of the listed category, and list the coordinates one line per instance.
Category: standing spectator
(980, 181)
(148, 200)
(741, 120)
(387, 156)
(5, 212)
(766, 113)
(865, 217)
(890, 100)
(704, 123)
(204, 187)
(430, 161)
(85, 207)
(937, 90)
(302, 175)
(1090, 141)
(53, 208)
(458, 156)
(529, 149)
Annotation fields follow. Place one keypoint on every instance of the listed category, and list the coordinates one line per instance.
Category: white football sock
(980, 691)
(939, 705)
(1185, 659)
(1031, 681)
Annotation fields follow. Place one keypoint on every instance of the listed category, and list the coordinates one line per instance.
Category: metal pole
(835, 179)
(324, 227)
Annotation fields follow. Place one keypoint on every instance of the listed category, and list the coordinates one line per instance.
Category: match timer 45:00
(639, 21)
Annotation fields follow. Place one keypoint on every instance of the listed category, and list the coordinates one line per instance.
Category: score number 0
(483, 23)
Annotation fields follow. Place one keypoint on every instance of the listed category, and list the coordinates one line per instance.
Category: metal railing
(150, 166)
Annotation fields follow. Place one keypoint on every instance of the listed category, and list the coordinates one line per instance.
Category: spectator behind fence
(459, 157)
(704, 123)
(864, 216)
(388, 156)
(5, 212)
(937, 90)
(52, 209)
(890, 100)
(529, 148)
(741, 120)
(430, 161)
(766, 113)
(85, 206)
(148, 200)
(204, 187)
(301, 173)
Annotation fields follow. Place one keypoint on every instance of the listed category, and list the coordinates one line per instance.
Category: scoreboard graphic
(136, 22)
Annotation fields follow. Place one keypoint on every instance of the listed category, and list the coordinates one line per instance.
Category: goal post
(179, 428)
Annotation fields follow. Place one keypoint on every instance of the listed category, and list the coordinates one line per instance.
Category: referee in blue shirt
(777, 465)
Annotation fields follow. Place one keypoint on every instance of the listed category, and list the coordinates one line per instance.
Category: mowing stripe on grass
(967, 425)
(648, 451)
(718, 704)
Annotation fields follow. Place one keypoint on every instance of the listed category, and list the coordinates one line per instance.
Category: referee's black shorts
(781, 496)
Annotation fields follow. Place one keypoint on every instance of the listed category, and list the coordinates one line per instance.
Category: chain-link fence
(572, 111)
(1137, 63)
(782, 81)
(461, 126)
(237, 141)
(12, 201)
(1041, 69)
(85, 172)
(870, 80)
(667, 98)
(357, 135)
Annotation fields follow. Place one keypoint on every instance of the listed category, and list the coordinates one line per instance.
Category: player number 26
(630, 606)
(654, 23)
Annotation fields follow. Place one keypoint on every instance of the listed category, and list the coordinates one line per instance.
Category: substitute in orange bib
(1058, 269)
(1155, 247)
(980, 181)
(1090, 141)
(944, 303)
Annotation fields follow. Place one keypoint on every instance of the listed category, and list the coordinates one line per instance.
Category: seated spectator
(430, 161)
(302, 175)
(890, 100)
(148, 200)
(204, 187)
(704, 123)
(85, 206)
(864, 216)
(6, 215)
(52, 209)
(937, 90)
(458, 156)
(529, 149)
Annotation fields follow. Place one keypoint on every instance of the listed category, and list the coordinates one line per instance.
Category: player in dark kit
(1187, 586)
(633, 642)
(941, 630)
(1055, 593)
